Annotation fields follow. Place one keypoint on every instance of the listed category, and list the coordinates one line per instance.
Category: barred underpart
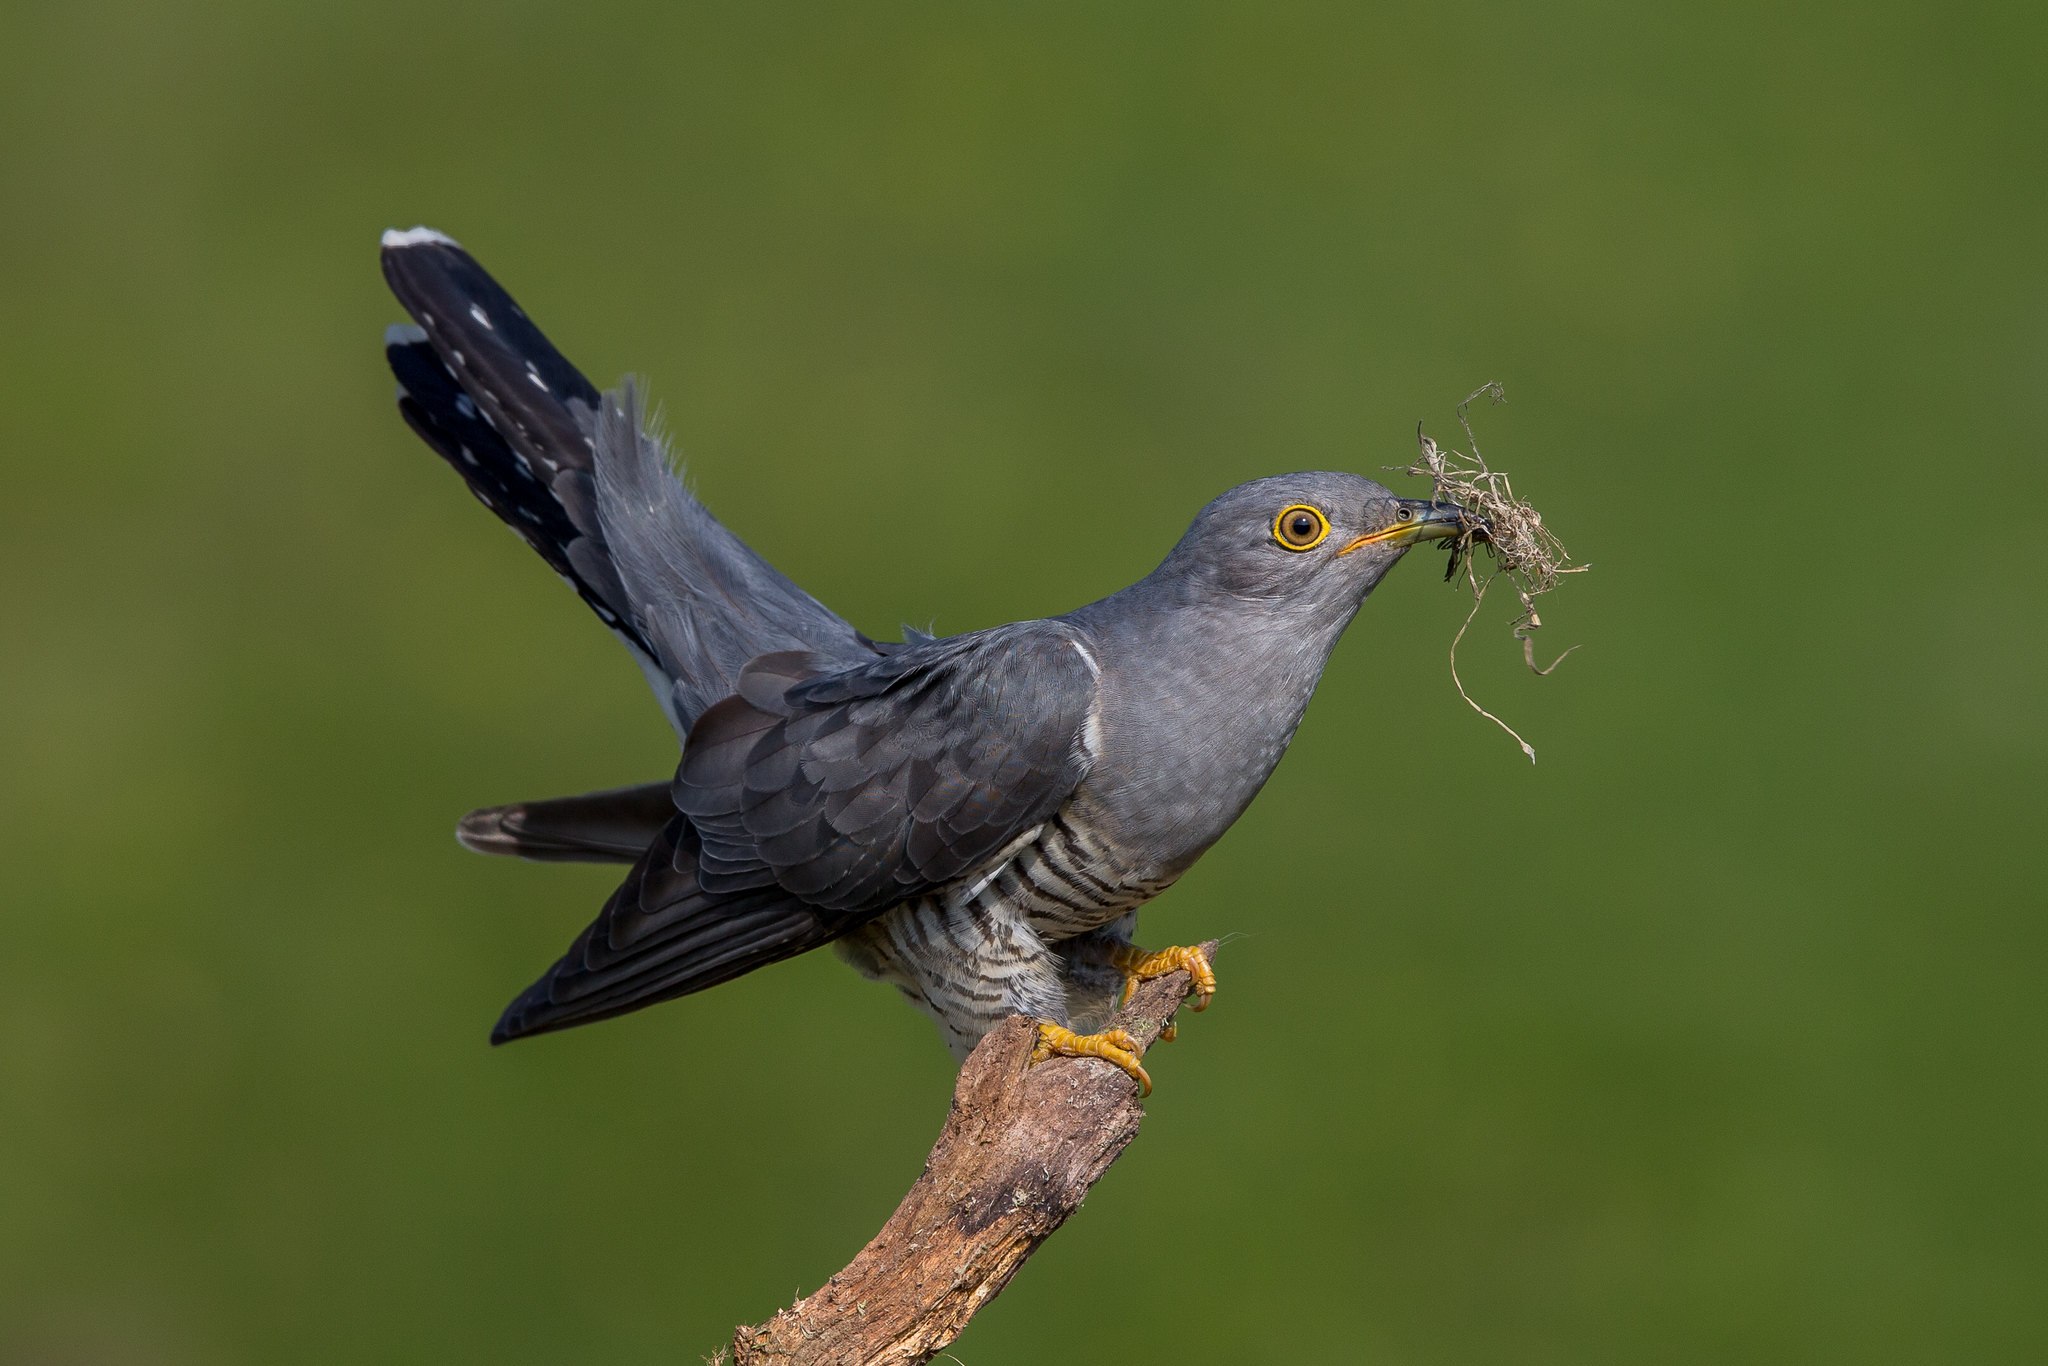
(1032, 937)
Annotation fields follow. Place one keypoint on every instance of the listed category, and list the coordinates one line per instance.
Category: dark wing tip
(521, 1018)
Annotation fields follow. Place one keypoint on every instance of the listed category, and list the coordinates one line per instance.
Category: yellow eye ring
(1299, 527)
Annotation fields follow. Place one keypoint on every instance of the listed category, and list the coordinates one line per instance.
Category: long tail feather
(614, 826)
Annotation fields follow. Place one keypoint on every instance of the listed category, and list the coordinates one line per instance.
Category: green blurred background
(1717, 1036)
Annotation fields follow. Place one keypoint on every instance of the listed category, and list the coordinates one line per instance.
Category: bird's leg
(1111, 1045)
(1115, 1045)
(1139, 966)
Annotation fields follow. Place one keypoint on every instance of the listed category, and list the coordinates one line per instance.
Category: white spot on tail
(538, 382)
(476, 311)
(417, 237)
(465, 405)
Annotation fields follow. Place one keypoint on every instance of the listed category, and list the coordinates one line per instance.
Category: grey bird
(974, 819)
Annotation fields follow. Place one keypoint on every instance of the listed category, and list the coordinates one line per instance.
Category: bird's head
(1306, 546)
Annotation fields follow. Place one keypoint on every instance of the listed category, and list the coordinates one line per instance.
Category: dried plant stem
(1522, 548)
(1478, 597)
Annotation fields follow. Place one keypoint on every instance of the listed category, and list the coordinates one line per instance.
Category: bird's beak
(1426, 521)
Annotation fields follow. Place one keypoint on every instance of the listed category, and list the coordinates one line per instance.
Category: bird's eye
(1300, 527)
(1404, 514)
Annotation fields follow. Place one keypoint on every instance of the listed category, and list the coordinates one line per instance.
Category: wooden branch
(1021, 1146)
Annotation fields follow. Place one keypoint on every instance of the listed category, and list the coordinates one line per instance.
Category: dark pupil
(1301, 526)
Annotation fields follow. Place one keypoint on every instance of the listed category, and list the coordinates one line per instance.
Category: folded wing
(815, 798)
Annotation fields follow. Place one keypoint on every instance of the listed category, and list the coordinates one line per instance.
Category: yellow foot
(1140, 966)
(1111, 1045)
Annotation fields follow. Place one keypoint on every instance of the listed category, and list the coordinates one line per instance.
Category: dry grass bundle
(1523, 550)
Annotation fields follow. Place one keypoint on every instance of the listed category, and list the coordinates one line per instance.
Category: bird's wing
(661, 935)
(576, 475)
(812, 800)
(858, 789)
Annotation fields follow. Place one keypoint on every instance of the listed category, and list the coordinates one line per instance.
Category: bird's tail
(494, 398)
(588, 487)
(614, 826)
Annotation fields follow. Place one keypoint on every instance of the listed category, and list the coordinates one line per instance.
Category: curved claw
(1140, 966)
(1111, 1045)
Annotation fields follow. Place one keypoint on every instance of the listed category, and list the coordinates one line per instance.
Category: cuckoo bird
(974, 819)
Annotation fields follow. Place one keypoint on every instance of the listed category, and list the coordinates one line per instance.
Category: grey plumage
(700, 595)
(975, 819)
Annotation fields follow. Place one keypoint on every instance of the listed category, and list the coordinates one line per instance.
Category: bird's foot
(1111, 1045)
(1139, 966)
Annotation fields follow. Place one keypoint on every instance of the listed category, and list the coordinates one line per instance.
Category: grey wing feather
(814, 799)
(661, 935)
(861, 788)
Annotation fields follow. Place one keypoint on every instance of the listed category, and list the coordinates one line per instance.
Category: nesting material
(1522, 550)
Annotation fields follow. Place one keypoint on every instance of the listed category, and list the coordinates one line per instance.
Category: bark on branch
(1021, 1146)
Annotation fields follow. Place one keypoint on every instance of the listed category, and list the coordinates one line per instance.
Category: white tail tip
(417, 237)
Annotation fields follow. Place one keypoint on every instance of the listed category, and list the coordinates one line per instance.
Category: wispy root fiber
(1522, 549)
